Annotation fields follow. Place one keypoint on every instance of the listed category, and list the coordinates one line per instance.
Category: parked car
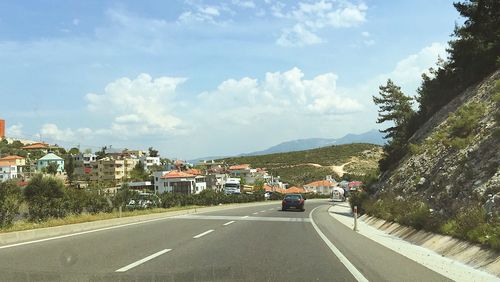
(295, 201)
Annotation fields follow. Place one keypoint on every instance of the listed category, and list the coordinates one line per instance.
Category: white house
(174, 181)
(7, 171)
(324, 187)
(150, 161)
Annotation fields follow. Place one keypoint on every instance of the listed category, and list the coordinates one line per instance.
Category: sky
(209, 78)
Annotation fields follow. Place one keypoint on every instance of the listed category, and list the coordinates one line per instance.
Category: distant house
(241, 170)
(178, 182)
(18, 161)
(149, 162)
(36, 146)
(83, 165)
(44, 161)
(324, 187)
(295, 190)
(8, 170)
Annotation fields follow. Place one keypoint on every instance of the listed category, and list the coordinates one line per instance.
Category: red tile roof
(238, 167)
(295, 190)
(321, 183)
(194, 171)
(36, 146)
(177, 174)
(8, 158)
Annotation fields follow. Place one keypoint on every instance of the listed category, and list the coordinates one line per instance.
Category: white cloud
(15, 130)
(280, 93)
(201, 14)
(244, 4)
(76, 21)
(310, 18)
(138, 106)
(408, 71)
(297, 36)
(52, 132)
(365, 34)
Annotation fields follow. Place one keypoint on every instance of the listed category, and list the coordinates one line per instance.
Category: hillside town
(143, 171)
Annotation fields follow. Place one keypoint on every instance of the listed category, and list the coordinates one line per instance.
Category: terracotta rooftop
(238, 167)
(324, 183)
(194, 171)
(295, 190)
(9, 158)
(36, 146)
(177, 174)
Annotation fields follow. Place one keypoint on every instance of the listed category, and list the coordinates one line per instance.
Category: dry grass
(81, 218)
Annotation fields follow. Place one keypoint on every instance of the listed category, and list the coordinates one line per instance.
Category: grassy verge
(81, 218)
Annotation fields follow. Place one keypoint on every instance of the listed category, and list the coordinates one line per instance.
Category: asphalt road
(259, 243)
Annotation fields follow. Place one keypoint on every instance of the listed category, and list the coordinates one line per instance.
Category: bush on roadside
(358, 198)
(45, 196)
(10, 200)
(123, 196)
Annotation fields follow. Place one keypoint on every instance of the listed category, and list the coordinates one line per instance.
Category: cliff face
(454, 158)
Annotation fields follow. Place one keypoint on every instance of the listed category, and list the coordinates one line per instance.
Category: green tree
(10, 200)
(52, 168)
(138, 173)
(153, 152)
(69, 167)
(101, 153)
(74, 151)
(396, 108)
(45, 197)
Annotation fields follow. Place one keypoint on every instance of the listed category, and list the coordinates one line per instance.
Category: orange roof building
(14, 160)
(324, 187)
(295, 190)
(36, 146)
(177, 174)
(239, 167)
(194, 171)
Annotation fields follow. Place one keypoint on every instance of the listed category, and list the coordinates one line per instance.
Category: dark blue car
(295, 201)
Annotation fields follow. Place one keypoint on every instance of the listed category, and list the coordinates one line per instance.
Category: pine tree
(396, 108)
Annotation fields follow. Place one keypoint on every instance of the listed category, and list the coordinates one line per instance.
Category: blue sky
(201, 78)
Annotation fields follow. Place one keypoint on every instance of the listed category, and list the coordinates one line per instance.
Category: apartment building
(111, 169)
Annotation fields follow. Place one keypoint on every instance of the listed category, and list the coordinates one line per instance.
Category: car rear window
(294, 197)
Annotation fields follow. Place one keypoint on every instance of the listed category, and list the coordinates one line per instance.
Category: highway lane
(256, 243)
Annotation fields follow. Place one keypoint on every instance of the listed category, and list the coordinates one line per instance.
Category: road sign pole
(355, 218)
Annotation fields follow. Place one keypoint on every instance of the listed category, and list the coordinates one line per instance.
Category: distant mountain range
(373, 137)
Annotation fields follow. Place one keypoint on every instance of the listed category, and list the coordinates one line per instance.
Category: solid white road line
(244, 216)
(352, 269)
(227, 223)
(203, 234)
(82, 232)
(141, 261)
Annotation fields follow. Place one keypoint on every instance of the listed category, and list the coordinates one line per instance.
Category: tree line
(473, 53)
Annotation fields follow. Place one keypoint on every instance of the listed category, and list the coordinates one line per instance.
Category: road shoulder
(445, 266)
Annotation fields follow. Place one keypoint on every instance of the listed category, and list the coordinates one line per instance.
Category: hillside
(301, 167)
(452, 169)
(372, 137)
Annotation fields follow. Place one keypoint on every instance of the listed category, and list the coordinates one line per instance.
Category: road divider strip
(141, 261)
(352, 269)
(203, 234)
(227, 223)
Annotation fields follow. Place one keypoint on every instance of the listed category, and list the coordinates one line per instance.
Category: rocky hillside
(454, 157)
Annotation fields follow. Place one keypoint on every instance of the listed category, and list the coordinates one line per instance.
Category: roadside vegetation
(47, 202)
(473, 55)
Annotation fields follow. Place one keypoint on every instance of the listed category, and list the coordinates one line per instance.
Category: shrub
(123, 196)
(45, 197)
(10, 201)
(358, 199)
(465, 120)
